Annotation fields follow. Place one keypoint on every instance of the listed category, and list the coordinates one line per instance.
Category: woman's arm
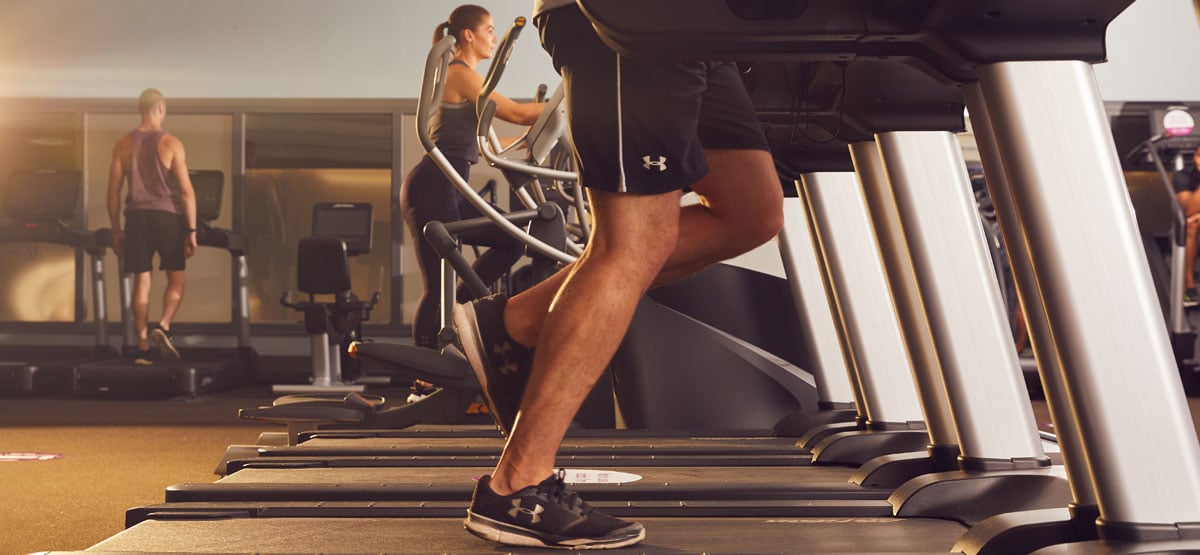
(463, 84)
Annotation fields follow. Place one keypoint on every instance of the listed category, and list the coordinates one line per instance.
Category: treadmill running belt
(457, 484)
(693, 446)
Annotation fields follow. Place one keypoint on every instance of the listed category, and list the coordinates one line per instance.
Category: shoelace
(557, 492)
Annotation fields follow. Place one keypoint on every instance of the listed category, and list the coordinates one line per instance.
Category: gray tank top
(452, 128)
(151, 185)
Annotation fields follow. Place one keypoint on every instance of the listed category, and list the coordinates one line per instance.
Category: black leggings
(427, 195)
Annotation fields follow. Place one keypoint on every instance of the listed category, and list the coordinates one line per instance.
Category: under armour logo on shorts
(660, 163)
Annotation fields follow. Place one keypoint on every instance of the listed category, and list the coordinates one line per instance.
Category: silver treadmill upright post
(1011, 532)
(1073, 206)
(992, 413)
(99, 302)
(893, 247)
(809, 284)
(1044, 350)
(881, 362)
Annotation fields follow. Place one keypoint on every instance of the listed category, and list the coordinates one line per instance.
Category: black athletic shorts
(641, 125)
(150, 231)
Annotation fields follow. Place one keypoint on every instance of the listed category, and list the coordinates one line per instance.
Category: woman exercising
(427, 193)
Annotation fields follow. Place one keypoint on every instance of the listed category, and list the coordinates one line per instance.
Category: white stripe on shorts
(620, 132)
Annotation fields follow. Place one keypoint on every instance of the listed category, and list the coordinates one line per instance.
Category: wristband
(190, 230)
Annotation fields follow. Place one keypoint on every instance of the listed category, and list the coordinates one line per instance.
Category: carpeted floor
(114, 455)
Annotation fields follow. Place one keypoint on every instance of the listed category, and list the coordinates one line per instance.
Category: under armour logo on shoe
(504, 362)
(660, 163)
(535, 514)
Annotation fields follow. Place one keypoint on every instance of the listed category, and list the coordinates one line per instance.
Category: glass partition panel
(208, 142)
(294, 161)
(37, 280)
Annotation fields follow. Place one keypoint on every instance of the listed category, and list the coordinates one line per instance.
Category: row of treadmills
(42, 207)
(941, 453)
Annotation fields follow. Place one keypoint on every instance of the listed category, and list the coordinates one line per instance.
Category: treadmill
(40, 204)
(1021, 116)
(688, 489)
(200, 370)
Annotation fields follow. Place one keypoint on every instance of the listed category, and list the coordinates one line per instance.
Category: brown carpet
(115, 455)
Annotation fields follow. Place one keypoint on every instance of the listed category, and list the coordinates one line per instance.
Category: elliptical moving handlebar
(432, 88)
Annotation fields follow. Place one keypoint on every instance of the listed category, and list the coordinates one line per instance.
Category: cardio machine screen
(351, 222)
(1177, 124)
(208, 186)
(43, 195)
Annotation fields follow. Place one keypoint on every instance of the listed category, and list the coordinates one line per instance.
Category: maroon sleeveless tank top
(151, 185)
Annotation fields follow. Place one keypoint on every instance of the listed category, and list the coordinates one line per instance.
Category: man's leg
(523, 502)
(632, 239)
(168, 229)
(172, 297)
(1191, 211)
(741, 207)
(141, 307)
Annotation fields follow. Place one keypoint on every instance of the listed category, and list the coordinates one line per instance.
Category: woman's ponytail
(440, 31)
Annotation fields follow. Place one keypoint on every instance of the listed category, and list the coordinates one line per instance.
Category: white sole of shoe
(494, 531)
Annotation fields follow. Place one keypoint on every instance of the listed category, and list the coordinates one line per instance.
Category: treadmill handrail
(1178, 218)
(1176, 318)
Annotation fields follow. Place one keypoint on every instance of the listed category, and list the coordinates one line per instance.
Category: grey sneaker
(501, 364)
(546, 515)
(1191, 297)
(162, 339)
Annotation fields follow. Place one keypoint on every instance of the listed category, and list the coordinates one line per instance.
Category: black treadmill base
(34, 379)
(226, 533)
(164, 379)
(1025, 532)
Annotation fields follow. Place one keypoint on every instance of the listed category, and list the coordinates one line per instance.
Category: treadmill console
(43, 195)
(209, 185)
(351, 222)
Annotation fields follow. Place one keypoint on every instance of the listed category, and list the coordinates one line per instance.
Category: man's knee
(638, 230)
(762, 221)
(744, 191)
(767, 224)
(176, 279)
(650, 246)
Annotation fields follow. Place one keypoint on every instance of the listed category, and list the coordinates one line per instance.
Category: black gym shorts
(641, 125)
(148, 231)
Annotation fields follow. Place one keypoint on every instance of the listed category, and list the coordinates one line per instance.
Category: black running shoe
(1191, 297)
(546, 515)
(144, 358)
(162, 338)
(501, 364)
